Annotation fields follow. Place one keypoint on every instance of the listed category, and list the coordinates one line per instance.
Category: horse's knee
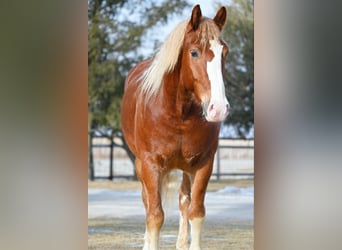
(196, 211)
(155, 217)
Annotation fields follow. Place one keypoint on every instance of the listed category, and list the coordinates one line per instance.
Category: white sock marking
(196, 226)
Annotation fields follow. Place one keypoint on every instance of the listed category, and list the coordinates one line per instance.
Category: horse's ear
(196, 17)
(220, 18)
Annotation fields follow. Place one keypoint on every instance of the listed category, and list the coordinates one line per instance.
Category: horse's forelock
(208, 31)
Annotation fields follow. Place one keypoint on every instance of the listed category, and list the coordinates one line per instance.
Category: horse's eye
(194, 53)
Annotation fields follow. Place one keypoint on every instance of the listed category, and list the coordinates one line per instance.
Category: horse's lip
(219, 118)
(215, 120)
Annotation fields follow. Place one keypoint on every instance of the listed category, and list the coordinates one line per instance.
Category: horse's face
(202, 66)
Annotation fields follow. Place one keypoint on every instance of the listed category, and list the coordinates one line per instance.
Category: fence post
(218, 163)
(111, 159)
(91, 158)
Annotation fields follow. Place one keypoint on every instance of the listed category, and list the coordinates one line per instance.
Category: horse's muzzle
(216, 112)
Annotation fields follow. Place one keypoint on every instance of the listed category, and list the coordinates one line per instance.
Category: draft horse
(171, 111)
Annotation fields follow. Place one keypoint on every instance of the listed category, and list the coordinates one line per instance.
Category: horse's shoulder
(134, 75)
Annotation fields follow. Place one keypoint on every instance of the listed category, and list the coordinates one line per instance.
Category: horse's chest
(180, 143)
(192, 140)
(197, 146)
(194, 144)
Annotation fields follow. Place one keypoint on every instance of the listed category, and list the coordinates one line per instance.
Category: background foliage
(115, 33)
(239, 34)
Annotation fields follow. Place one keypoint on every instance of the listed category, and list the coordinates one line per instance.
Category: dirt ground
(128, 234)
(125, 234)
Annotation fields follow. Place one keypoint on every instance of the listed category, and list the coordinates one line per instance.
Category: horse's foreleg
(184, 202)
(196, 210)
(151, 181)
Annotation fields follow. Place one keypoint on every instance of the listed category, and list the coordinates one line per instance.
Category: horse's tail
(171, 184)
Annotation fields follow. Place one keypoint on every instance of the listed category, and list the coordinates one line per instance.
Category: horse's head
(203, 58)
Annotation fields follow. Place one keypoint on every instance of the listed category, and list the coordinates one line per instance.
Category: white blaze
(217, 108)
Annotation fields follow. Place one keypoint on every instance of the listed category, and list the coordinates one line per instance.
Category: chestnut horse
(171, 112)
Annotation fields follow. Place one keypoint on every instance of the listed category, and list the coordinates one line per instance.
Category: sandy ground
(116, 216)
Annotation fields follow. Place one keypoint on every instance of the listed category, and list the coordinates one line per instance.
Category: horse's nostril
(211, 107)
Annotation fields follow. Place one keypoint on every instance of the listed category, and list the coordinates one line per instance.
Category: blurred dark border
(297, 125)
(43, 125)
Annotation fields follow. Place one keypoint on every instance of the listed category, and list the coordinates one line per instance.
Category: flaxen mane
(167, 56)
(164, 61)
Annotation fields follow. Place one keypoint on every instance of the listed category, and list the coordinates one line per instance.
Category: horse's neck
(176, 97)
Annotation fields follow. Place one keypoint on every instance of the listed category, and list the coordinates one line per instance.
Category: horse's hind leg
(196, 210)
(184, 201)
(151, 182)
